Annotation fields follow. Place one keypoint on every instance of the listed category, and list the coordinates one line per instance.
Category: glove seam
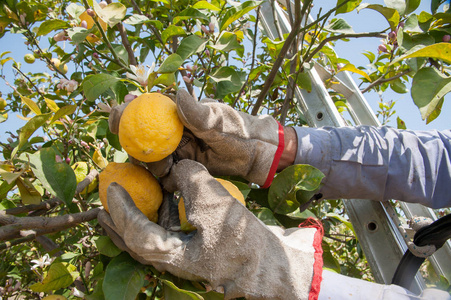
(277, 156)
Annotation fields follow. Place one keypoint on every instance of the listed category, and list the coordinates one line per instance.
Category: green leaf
(330, 262)
(190, 14)
(398, 86)
(353, 69)
(106, 246)
(136, 19)
(57, 177)
(32, 125)
(339, 26)
(60, 275)
(171, 291)
(31, 105)
(349, 6)
(124, 278)
(77, 34)
(411, 6)
(227, 41)
(206, 5)
(171, 64)
(96, 84)
(112, 14)
(228, 81)
(49, 25)
(440, 51)
(304, 81)
(171, 31)
(191, 45)
(167, 79)
(399, 5)
(266, 216)
(342, 220)
(75, 10)
(234, 13)
(436, 112)
(282, 193)
(390, 14)
(64, 111)
(429, 86)
(400, 123)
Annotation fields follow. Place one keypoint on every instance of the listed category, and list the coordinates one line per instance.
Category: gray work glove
(225, 141)
(231, 248)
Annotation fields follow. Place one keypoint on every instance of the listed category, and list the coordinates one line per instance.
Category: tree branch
(291, 37)
(46, 205)
(381, 80)
(343, 36)
(16, 227)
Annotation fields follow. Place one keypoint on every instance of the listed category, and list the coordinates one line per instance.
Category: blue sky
(366, 20)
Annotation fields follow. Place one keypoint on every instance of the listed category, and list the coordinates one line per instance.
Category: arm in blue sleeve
(380, 163)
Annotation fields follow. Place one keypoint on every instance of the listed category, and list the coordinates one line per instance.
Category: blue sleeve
(380, 163)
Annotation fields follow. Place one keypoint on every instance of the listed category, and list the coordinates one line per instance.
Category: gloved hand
(231, 248)
(225, 141)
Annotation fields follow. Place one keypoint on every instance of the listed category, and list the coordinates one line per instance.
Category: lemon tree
(92, 55)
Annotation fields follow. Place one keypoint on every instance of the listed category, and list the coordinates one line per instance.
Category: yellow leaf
(51, 104)
(28, 192)
(31, 105)
(99, 159)
(353, 69)
(440, 51)
(23, 118)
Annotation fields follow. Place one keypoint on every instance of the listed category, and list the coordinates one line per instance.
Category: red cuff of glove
(277, 156)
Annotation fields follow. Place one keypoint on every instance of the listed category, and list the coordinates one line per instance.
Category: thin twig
(254, 46)
(343, 36)
(46, 205)
(382, 80)
(291, 37)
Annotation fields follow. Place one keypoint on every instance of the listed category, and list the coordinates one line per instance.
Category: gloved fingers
(115, 117)
(138, 233)
(207, 203)
(195, 115)
(107, 224)
(160, 168)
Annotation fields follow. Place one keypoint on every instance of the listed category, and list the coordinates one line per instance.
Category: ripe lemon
(150, 129)
(230, 187)
(92, 38)
(54, 297)
(142, 186)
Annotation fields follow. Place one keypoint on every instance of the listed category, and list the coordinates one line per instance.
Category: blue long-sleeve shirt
(380, 163)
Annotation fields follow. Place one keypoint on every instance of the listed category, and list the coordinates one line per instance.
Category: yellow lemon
(142, 186)
(150, 129)
(230, 187)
